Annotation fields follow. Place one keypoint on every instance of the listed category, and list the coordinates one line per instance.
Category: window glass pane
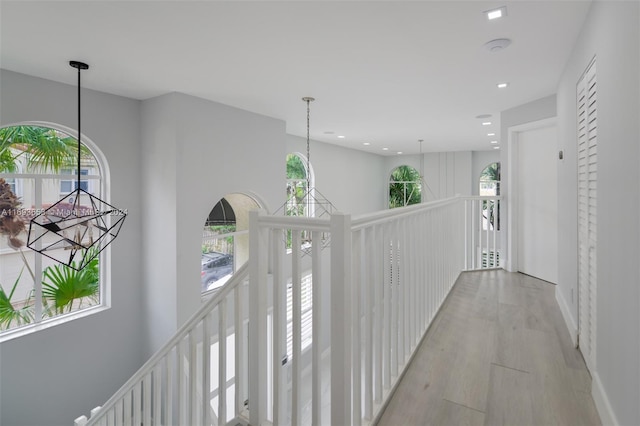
(65, 186)
(16, 261)
(23, 272)
(65, 290)
(405, 187)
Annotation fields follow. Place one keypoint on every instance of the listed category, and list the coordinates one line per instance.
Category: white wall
(199, 151)
(55, 375)
(446, 173)
(611, 33)
(533, 111)
(353, 181)
(158, 169)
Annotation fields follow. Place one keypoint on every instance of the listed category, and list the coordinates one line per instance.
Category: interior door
(537, 203)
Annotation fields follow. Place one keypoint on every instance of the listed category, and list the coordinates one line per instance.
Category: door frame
(512, 264)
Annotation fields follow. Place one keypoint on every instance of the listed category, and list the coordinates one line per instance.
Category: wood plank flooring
(498, 353)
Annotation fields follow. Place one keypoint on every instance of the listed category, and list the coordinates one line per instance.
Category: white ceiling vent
(497, 44)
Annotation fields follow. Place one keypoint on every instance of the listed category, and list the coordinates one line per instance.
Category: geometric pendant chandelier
(77, 228)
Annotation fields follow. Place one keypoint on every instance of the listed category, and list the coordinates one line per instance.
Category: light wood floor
(498, 353)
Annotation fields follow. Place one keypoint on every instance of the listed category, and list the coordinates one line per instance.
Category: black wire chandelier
(77, 228)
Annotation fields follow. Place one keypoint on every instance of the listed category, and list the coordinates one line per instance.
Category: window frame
(73, 181)
(417, 182)
(309, 209)
(103, 178)
(495, 181)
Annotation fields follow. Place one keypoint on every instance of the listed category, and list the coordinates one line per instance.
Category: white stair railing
(374, 292)
(404, 264)
(198, 377)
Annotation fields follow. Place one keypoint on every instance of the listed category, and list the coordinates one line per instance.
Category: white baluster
(296, 277)
(378, 267)
(369, 285)
(222, 362)
(206, 369)
(258, 251)
(340, 319)
(356, 316)
(318, 321)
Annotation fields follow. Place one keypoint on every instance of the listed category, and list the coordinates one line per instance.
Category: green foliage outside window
(64, 289)
(213, 243)
(44, 148)
(296, 186)
(404, 187)
(295, 167)
(490, 186)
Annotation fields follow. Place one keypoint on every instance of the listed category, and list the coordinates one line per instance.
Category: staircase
(273, 348)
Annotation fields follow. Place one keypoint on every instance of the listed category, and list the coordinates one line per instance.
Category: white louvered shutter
(587, 212)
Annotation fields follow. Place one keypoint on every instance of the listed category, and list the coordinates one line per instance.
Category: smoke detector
(497, 44)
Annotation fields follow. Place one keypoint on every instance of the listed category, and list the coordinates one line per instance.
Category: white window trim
(104, 179)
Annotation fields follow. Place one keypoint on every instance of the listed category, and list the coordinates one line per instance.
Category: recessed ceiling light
(496, 13)
(366, 144)
(385, 149)
(340, 137)
(496, 147)
(502, 85)
(494, 141)
(399, 152)
(485, 123)
(491, 134)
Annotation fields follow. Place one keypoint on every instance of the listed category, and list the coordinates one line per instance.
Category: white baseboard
(568, 318)
(607, 416)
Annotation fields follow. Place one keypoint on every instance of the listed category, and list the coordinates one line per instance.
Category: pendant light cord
(308, 100)
(308, 150)
(79, 129)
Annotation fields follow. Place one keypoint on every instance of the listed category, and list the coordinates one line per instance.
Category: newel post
(341, 326)
(258, 256)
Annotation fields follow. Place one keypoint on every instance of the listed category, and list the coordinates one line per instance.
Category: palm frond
(47, 148)
(11, 315)
(61, 286)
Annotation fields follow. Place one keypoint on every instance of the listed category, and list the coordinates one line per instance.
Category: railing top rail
(370, 219)
(361, 221)
(482, 197)
(295, 222)
(237, 278)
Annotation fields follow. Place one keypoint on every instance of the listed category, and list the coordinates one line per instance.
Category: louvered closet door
(587, 209)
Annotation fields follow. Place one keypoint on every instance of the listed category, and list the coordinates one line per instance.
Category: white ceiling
(387, 73)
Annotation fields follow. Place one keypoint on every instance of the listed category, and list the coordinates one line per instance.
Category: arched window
(38, 168)
(490, 180)
(225, 239)
(298, 197)
(489, 186)
(405, 187)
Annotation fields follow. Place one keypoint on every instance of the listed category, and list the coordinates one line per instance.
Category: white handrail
(370, 219)
(374, 293)
(159, 357)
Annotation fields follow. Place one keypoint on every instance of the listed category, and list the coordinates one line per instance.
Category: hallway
(498, 353)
